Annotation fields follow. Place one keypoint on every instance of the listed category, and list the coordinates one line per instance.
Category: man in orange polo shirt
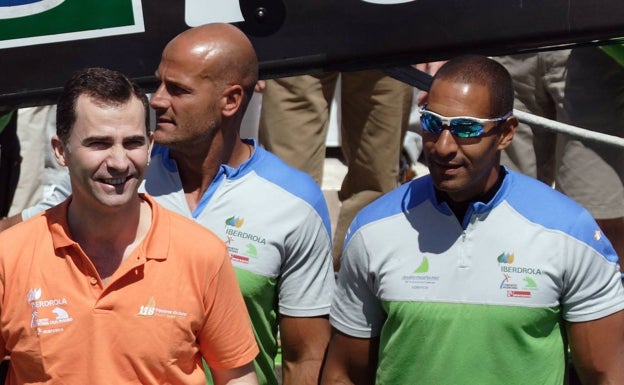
(109, 287)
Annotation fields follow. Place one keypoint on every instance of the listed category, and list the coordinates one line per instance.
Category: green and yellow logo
(505, 257)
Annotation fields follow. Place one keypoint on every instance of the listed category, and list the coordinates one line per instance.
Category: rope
(422, 81)
(570, 130)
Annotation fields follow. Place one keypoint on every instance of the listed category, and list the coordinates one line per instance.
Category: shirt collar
(156, 241)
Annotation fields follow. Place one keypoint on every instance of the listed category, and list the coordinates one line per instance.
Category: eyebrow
(106, 138)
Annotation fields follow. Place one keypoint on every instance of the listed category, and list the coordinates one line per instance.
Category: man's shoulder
(32, 237)
(532, 196)
(406, 196)
(274, 170)
(542, 205)
(271, 166)
(31, 227)
(402, 199)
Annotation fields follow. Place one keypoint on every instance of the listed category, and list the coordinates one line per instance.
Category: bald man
(273, 217)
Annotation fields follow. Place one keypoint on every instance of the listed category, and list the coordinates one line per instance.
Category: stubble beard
(191, 143)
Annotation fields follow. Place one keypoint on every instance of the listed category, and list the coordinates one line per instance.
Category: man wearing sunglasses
(475, 274)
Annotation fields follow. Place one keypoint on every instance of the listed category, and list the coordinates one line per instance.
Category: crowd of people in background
(178, 251)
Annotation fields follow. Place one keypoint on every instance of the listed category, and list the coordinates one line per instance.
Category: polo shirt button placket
(93, 281)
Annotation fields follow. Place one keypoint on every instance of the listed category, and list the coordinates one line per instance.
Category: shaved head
(481, 70)
(221, 53)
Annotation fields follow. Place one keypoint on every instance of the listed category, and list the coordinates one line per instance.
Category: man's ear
(507, 132)
(233, 97)
(59, 151)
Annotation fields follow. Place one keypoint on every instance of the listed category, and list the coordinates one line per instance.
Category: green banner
(68, 18)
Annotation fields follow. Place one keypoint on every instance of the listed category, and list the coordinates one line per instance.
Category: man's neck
(108, 238)
(197, 173)
(460, 208)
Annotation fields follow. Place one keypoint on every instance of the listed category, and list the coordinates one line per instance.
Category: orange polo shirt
(172, 301)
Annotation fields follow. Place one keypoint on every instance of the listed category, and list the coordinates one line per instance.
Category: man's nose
(446, 143)
(159, 99)
(118, 158)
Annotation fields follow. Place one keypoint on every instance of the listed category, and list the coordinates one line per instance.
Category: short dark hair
(483, 71)
(103, 85)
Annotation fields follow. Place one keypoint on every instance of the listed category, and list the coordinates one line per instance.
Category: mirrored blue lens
(460, 127)
(466, 128)
(431, 123)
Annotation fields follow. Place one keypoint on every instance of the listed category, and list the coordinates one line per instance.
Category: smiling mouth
(114, 181)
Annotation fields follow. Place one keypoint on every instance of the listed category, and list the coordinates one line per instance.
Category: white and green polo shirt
(479, 302)
(275, 222)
